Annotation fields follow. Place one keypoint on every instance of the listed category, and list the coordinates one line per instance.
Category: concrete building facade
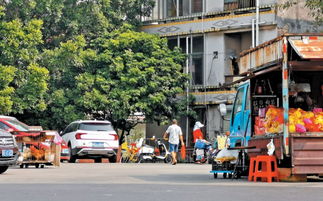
(213, 33)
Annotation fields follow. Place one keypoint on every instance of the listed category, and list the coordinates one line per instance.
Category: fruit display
(274, 120)
(300, 121)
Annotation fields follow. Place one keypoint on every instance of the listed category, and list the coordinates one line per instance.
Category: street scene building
(213, 33)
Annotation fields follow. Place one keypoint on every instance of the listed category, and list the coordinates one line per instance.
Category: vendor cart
(234, 168)
(38, 148)
(226, 168)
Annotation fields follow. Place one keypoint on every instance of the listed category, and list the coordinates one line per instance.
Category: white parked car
(91, 139)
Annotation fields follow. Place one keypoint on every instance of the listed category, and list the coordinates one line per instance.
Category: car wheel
(72, 157)
(113, 159)
(3, 169)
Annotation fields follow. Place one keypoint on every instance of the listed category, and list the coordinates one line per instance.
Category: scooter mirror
(223, 109)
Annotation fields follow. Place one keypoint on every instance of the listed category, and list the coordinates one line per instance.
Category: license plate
(97, 144)
(65, 151)
(7, 153)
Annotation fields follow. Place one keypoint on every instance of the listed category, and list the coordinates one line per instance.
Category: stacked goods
(38, 154)
(300, 121)
(226, 155)
(259, 126)
(274, 120)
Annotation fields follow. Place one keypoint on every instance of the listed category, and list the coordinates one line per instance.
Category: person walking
(174, 134)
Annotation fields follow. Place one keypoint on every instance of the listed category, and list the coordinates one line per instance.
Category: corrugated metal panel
(252, 60)
(215, 97)
(309, 47)
(307, 153)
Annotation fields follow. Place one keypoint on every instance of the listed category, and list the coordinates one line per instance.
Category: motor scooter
(202, 151)
(146, 152)
(163, 153)
(156, 153)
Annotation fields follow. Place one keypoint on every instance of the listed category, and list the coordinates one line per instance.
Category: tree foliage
(23, 83)
(315, 6)
(130, 72)
(65, 19)
(64, 60)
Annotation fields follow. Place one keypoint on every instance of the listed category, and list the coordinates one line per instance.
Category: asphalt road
(143, 182)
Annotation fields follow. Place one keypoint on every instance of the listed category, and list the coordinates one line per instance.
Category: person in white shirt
(174, 134)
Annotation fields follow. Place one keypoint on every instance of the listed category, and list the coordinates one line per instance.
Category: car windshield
(18, 125)
(96, 127)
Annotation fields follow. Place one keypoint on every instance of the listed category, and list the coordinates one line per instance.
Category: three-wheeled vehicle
(280, 98)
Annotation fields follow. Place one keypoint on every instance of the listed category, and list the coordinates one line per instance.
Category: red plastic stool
(268, 171)
(251, 168)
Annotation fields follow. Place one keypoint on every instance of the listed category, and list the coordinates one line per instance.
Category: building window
(197, 69)
(194, 46)
(171, 8)
(197, 6)
(184, 7)
(197, 60)
(182, 44)
(172, 43)
(174, 8)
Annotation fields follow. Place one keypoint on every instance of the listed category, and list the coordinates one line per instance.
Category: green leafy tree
(99, 67)
(65, 19)
(23, 82)
(136, 72)
(131, 72)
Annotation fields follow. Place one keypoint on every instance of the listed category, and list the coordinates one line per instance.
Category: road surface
(143, 182)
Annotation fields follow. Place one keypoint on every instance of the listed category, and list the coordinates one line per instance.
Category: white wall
(267, 2)
(214, 5)
(266, 35)
(214, 66)
(213, 121)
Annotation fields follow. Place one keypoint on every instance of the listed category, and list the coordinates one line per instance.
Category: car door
(70, 135)
(64, 133)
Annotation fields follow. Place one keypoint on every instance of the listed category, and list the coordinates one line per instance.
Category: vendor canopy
(308, 47)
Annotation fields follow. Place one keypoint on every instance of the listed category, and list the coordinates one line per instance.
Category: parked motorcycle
(156, 153)
(146, 152)
(202, 151)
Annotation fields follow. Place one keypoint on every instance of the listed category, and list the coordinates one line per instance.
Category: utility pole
(187, 90)
(253, 32)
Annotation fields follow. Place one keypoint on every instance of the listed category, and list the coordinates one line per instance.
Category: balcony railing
(238, 4)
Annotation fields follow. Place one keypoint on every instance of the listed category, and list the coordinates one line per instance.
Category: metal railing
(238, 4)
